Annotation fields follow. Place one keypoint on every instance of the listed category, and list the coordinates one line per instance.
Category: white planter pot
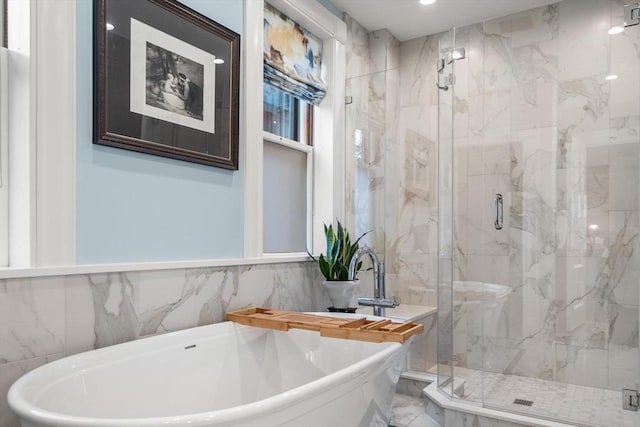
(340, 293)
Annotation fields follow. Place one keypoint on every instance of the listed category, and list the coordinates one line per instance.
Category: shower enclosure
(538, 213)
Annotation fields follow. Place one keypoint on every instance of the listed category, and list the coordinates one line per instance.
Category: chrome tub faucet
(379, 301)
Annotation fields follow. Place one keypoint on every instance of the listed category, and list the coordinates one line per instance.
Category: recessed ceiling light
(611, 77)
(218, 61)
(110, 27)
(593, 227)
(615, 30)
(426, 2)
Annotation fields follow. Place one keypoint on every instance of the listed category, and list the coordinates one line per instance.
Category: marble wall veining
(46, 318)
(535, 120)
(390, 165)
(372, 60)
(562, 144)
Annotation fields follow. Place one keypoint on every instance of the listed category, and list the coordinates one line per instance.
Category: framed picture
(166, 82)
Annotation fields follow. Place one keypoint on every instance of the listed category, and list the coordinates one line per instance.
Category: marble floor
(584, 406)
(408, 411)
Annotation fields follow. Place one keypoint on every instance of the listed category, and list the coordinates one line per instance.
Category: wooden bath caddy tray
(334, 327)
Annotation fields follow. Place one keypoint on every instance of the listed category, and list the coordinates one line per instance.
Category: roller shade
(292, 57)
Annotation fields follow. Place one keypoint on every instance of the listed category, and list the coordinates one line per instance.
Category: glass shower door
(445, 72)
(539, 214)
(561, 144)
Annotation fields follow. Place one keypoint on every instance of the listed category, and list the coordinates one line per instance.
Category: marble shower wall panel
(417, 135)
(356, 49)
(573, 167)
(583, 42)
(373, 155)
(535, 120)
(365, 126)
(534, 67)
(45, 318)
(418, 72)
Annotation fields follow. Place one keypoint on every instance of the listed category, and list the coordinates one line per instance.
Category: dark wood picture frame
(156, 116)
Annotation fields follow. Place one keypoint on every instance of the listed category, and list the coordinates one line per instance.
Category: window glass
(287, 116)
(285, 199)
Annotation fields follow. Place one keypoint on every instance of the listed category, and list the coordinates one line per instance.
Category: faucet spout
(379, 301)
(375, 261)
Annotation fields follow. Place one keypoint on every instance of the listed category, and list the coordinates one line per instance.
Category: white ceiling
(408, 19)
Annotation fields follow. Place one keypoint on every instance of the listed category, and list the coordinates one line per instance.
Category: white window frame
(4, 145)
(328, 170)
(4, 160)
(41, 133)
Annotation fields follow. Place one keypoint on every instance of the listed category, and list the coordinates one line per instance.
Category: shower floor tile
(580, 405)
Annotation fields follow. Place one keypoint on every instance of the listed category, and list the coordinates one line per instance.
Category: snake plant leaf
(331, 240)
(325, 269)
(359, 238)
(342, 273)
(337, 251)
(334, 265)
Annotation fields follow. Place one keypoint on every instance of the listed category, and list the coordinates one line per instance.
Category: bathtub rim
(25, 410)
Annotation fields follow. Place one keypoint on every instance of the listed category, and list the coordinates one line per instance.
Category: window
(294, 159)
(292, 84)
(40, 204)
(287, 172)
(287, 116)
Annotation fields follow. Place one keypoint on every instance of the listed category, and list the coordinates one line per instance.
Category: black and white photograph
(174, 82)
(166, 81)
(171, 79)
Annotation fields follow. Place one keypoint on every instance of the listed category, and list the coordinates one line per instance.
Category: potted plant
(334, 265)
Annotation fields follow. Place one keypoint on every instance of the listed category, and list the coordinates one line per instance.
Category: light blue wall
(138, 207)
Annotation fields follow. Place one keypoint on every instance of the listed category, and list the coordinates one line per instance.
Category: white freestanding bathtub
(219, 375)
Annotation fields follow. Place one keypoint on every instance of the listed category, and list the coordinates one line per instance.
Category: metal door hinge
(632, 14)
(348, 100)
(448, 80)
(630, 399)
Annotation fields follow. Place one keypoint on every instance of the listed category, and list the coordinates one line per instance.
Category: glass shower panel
(445, 73)
(561, 130)
(539, 302)
(471, 209)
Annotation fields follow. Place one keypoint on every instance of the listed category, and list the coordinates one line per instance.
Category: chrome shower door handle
(499, 222)
(631, 14)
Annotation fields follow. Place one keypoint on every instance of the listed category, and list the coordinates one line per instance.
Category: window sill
(14, 272)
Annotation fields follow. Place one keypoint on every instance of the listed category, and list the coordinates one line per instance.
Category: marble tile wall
(391, 161)
(555, 294)
(561, 143)
(372, 84)
(46, 318)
